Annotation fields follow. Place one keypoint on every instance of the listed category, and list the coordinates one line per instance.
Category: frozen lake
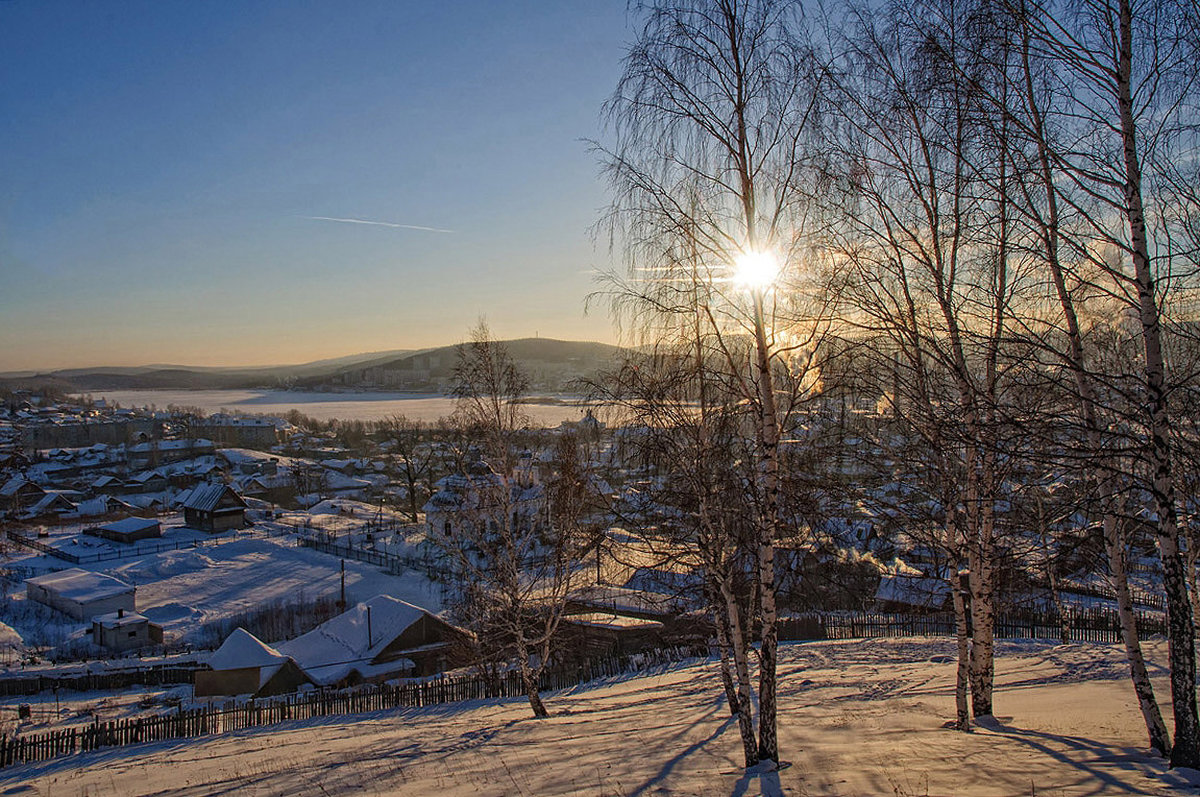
(344, 406)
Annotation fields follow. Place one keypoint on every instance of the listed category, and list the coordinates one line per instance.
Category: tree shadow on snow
(669, 766)
(768, 783)
(1100, 759)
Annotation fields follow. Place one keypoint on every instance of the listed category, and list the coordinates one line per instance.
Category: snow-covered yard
(227, 576)
(856, 718)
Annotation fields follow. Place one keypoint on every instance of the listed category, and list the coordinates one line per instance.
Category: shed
(80, 593)
(607, 634)
(127, 530)
(376, 640)
(122, 631)
(214, 507)
(245, 665)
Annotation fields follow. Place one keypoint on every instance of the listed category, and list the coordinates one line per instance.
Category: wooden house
(245, 665)
(214, 507)
(19, 493)
(377, 640)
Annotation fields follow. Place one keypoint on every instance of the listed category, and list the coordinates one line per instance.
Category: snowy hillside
(856, 718)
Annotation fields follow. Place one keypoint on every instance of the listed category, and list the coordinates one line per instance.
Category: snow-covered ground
(856, 718)
(230, 574)
(182, 588)
(68, 708)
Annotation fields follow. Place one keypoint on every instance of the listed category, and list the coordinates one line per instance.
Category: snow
(855, 718)
(243, 649)
(81, 586)
(130, 525)
(246, 573)
(231, 574)
(344, 643)
(9, 639)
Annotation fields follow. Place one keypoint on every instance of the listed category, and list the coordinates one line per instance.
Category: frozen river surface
(344, 406)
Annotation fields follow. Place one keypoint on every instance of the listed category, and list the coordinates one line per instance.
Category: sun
(756, 270)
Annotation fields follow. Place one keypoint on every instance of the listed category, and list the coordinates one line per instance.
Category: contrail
(379, 224)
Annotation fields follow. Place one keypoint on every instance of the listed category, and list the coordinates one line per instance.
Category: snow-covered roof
(339, 645)
(613, 621)
(130, 525)
(82, 586)
(49, 502)
(119, 619)
(335, 480)
(205, 497)
(14, 484)
(912, 590)
(242, 649)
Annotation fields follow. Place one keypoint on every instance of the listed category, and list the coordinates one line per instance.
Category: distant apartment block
(231, 430)
(62, 433)
(153, 453)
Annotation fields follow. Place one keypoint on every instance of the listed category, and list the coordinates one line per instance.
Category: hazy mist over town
(673, 397)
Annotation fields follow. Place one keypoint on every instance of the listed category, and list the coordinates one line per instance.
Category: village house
(377, 640)
(245, 665)
(592, 634)
(54, 504)
(214, 507)
(104, 505)
(19, 493)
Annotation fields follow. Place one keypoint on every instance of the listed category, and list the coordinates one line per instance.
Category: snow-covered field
(856, 718)
(230, 575)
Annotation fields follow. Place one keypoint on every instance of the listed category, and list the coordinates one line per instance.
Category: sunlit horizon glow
(756, 270)
(335, 179)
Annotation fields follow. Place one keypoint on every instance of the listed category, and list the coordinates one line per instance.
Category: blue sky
(161, 165)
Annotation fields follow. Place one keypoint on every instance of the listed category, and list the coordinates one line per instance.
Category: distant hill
(551, 364)
(197, 377)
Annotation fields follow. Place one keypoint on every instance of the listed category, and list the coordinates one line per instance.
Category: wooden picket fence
(182, 672)
(204, 721)
(1086, 626)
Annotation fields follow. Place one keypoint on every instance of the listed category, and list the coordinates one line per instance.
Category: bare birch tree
(709, 123)
(926, 235)
(514, 542)
(1116, 82)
